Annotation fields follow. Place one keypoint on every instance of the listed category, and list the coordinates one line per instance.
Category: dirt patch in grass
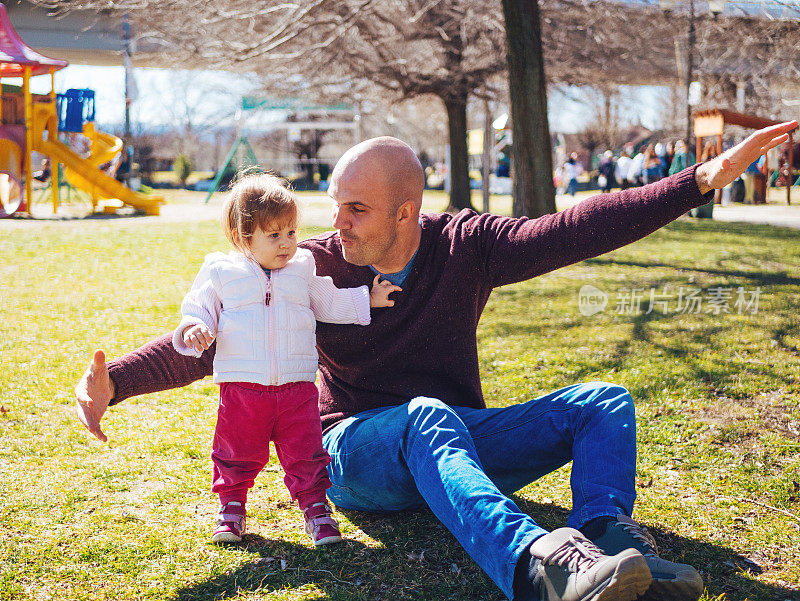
(754, 415)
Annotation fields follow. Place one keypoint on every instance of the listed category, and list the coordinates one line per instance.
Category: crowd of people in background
(648, 163)
(631, 168)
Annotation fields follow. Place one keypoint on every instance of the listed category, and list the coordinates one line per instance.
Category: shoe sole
(673, 590)
(630, 580)
(226, 537)
(328, 540)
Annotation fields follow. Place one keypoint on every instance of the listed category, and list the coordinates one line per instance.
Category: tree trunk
(459, 159)
(486, 159)
(533, 190)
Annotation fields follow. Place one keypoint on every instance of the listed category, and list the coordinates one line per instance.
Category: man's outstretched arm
(150, 368)
(519, 249)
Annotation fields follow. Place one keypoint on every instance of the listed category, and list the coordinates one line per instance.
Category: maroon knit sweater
(426, 344)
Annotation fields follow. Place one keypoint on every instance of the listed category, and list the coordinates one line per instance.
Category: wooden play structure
(711, 123)
(32, 123)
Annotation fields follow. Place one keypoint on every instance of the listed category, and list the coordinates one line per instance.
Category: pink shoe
(230, 524)
(320, 526)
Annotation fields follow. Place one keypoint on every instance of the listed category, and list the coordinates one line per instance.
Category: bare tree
(448, 48)
(408, 48)
(610, 110)
(534, 192)
(412, 48)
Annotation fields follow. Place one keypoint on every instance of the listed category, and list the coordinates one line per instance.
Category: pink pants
(250, 415)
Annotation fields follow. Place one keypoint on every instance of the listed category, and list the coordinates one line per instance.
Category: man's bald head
(386, 165)
(377, 188)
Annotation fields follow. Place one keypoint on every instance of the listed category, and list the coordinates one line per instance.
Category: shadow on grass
(87, 216)
(730, 229)
(760, 278)
(713, 376)
(715, 337)
(418, 559)
(273, 566)
(734, 245)
(780, 335)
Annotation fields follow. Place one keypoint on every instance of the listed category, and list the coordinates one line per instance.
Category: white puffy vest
(268, 344)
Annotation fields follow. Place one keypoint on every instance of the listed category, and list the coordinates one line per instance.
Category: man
(621, 169)
(402, 410)
(682, 159)
(607, 168)
(570, 171)
(636, 169)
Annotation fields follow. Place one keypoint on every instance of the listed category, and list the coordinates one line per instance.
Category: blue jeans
(462, 463)
(572, 186)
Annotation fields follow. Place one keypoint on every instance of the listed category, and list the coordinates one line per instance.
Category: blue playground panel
(75, 107)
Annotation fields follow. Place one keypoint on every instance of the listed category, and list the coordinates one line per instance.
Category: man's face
(364, 217)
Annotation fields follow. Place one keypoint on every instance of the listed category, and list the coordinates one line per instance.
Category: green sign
(250, 103)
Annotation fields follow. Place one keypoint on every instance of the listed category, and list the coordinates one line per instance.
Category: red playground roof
(15, 54)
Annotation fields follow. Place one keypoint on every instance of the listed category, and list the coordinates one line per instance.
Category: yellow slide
(89, 178)
(104, 146)
(83, 172)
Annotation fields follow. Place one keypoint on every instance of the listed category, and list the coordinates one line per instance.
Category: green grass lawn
(717, 400)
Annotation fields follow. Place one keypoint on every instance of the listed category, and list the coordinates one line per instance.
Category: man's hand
(722, 170)
(381, 289)
(198, 337)
(93, 393)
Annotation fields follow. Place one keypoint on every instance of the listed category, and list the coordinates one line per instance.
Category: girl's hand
(379, 295)
(198, 337)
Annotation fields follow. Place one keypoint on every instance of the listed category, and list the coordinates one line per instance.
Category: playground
(46, 124)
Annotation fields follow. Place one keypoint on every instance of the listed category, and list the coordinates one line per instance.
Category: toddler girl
(261, 303)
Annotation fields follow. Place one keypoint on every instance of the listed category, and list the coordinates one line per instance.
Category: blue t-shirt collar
(397, 278)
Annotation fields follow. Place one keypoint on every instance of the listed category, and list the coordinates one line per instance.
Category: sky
(162, 93)
(213, 96)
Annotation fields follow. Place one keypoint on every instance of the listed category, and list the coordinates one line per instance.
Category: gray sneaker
(671, 581)
(571, 568)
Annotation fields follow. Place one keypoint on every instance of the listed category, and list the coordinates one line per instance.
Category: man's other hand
(93, 393)
(722, 170)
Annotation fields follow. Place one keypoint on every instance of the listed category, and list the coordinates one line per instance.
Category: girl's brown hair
(257, 200)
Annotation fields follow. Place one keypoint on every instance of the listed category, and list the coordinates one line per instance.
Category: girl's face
(274, 247)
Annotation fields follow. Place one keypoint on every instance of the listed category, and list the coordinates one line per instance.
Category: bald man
(401, 404)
